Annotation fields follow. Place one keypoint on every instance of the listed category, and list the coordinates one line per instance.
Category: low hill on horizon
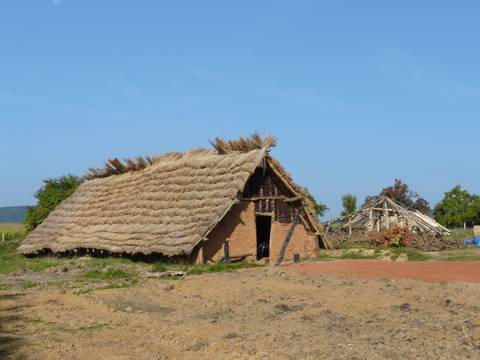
(13, 214)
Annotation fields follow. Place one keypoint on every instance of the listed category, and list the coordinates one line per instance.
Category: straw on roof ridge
(244, 144)
(116, 166)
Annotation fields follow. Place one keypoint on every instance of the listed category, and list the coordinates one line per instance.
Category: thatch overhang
(162, 205)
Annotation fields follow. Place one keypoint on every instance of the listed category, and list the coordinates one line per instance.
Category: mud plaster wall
(239, 227)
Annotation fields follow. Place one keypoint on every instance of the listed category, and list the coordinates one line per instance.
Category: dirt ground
(433, 271)
(260, 313)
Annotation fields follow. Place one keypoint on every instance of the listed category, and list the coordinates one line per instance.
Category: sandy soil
(433, 271)
(251, 314)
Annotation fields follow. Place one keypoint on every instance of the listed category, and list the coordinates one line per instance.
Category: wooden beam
(265, 214)
(264, 198)
(289, 235)
(387, 216)
(226, 251)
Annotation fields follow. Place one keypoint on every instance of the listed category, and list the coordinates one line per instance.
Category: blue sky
(358, 93)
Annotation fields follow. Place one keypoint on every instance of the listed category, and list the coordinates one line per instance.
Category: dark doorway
(264, 226)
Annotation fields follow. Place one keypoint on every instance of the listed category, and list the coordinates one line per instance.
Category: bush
(52, 193)
(457, 208)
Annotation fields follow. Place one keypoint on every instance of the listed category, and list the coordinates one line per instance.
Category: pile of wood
(383, 213)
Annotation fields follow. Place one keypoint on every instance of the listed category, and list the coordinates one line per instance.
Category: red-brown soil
(434, 271)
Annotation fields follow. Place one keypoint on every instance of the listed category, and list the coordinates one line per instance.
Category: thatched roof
(163, 205)
(383, 212)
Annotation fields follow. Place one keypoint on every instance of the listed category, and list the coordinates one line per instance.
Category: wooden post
(3, 238)
(328, 227)
(289, 235)
(226, 252)
(371, 224)
(350, 226)
(387, 215)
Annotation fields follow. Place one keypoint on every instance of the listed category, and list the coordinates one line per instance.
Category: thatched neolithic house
(383, 213)
(186, 205)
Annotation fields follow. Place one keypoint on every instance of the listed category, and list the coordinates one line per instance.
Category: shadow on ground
(10, 343)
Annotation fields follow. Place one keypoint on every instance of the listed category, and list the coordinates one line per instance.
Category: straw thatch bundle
(165, 204)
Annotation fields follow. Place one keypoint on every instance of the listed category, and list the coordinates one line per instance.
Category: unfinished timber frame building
(198, 205)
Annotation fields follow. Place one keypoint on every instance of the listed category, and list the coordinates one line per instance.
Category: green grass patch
(195, 269)
(460, 234)
(4, 287)
(108, 274)
(411, 254)
(117, 286)
(462, 258)
(11, 261)
(461, 255)
(353, 245)
(84, 291)
(30, 285)
(356, 256)
(159, 267)
(110, 261)
(214, 268)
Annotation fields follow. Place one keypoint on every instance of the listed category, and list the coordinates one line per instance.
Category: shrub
(52, 193)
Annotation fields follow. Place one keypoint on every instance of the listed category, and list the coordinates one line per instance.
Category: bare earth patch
(261, 313)
(433, 271)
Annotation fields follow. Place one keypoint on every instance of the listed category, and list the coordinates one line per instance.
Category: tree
(319, 207)
(401, 193)
(49, 196)
(458, 207)
(349, 202)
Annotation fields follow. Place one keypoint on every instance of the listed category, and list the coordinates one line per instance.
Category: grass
(411, 254)
(11, 231)
(461, 255)
(219, 267)
(84, 291)
(196, 269)
(116, 286)
(29, 285)
(352, 245)
(159, 267)
(460, 234)
(108, 274)
(11, 261)
(4, 287)
(393, 253)
(356, 256)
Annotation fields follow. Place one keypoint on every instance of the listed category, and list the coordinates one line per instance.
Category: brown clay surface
(434, 271)
(259, 313)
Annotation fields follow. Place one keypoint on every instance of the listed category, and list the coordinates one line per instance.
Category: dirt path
(252, 314)
(434, 271)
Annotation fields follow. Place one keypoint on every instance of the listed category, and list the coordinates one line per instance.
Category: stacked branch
(384, 213)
